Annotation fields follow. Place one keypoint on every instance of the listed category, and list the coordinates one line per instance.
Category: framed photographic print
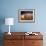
(26, 15)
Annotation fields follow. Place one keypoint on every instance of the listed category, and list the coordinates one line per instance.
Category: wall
(9, 8)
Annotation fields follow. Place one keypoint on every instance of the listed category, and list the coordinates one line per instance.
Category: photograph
(26, 15)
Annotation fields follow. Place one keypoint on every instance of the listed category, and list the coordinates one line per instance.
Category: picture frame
(26, 15)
